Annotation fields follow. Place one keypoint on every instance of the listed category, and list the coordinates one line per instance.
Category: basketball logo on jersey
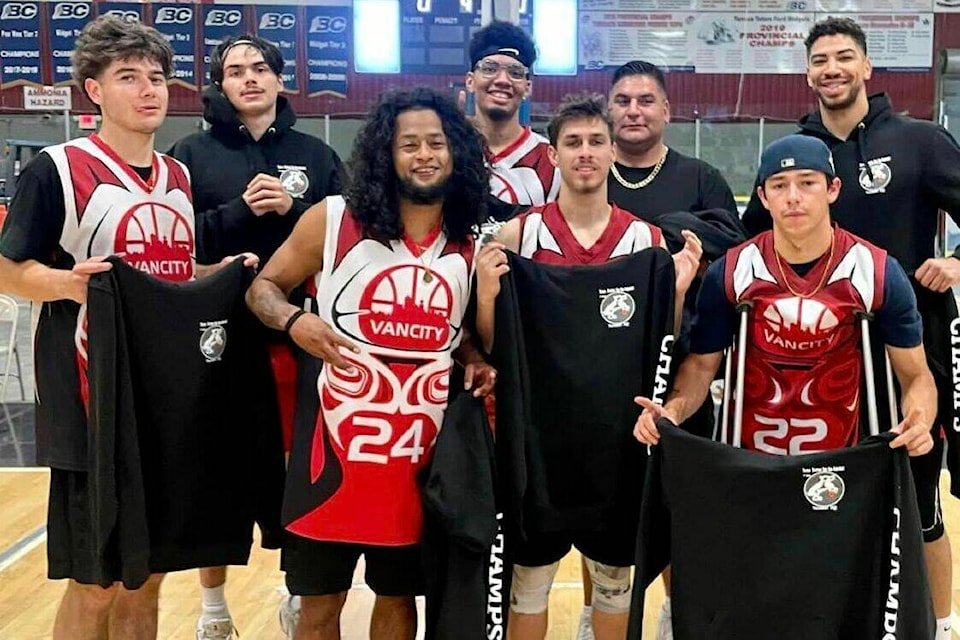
(213, 340)
(617, 306)
(401, 309)
(799, 324)
(824, 487)
(156, 239)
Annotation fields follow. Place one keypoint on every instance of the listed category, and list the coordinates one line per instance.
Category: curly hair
(372, 195)
(578, 107)
(110, 38)
(500, 34)
(837, 27)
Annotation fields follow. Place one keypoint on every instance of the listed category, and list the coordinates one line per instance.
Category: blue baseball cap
(795, 152)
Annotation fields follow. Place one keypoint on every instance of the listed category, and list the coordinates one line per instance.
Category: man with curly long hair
(390, 265)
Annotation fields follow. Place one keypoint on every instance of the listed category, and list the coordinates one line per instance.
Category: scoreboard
(434, 34)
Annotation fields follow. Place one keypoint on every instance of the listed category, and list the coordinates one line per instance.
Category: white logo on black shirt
(878, 182)
(213, 340)
(824, 487)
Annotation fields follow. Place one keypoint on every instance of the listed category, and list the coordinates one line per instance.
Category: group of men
(373, 274)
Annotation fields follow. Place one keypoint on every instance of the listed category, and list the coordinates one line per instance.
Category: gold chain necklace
(640, 185)
(823, 278)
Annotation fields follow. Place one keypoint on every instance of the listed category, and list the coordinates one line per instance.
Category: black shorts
(320, 568)
(615, 547)
(926, 478)
(70, 548)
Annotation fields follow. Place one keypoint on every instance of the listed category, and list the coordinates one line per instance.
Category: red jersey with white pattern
(378, 424)
(522, 173)
(546, 237)
(803, 359)
(109, 209)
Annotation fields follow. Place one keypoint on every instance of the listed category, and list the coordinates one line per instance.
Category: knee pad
(611, 587)
(530, 592)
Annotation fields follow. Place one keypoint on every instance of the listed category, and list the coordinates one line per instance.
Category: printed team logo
(955, 369)
(617, 306)
(402, 309)
(881, 175)
(824, 488)
(799, 324)
(156, 239)
(294, 180)
(213, 340)
(489, 230)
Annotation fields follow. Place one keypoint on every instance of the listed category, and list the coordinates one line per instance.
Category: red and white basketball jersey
(803, 357)
(110, 210)
(546, 237)
(378, 424)
(522, 173)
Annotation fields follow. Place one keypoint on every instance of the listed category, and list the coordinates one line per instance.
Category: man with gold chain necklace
(653, 181)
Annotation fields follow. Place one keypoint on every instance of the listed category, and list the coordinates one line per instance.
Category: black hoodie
(896, 173)
(223, 160)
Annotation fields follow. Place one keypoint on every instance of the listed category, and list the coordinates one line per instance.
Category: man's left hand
(480, 377)
(686, 263)
(914, 434)
(939, 274)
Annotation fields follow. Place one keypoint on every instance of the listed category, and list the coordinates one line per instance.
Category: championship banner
(897, 41)
(434, 35)
(782, 6)
(856, 6)
(65, 21)
(124, 10)
(752, 42)
(20, 43)
(278, 24)
(176, 22)
(611, 38)
(220, 21)
(328, 50)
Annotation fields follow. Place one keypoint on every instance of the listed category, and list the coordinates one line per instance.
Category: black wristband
(296, 316)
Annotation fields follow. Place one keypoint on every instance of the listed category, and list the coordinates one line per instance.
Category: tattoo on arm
(269, 303)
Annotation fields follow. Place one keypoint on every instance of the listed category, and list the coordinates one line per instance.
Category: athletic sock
(944, 626)
(214, 603)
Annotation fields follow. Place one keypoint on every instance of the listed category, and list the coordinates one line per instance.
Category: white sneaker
(585, 628)
(665, 624)
(215, 629)
(289, 615)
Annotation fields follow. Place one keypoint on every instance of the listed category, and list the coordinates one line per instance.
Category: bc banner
(328, 50)
(278, 24)
(65, 21)
(124, 10)
(220, 21)
(20, 43)
(176, 23)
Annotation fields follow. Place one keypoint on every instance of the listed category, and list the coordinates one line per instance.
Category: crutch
(872, 421)
(741, 353)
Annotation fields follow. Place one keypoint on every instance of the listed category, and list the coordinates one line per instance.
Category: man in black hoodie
(896, 173)
(253, 176)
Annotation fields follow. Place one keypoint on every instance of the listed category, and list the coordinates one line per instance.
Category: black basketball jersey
(824, 546)
(573, 346)
(186, 449)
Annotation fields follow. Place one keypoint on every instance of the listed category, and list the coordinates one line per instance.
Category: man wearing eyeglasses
(501, 55)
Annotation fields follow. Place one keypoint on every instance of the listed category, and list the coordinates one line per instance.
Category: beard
(499, 114)
(840, 103)
(416, 194)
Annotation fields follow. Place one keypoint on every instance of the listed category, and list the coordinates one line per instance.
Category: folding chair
(9, 312)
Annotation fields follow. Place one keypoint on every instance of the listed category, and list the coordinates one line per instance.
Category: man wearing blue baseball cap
(805, 283)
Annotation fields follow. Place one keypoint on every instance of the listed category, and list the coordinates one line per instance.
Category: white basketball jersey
(111, 210)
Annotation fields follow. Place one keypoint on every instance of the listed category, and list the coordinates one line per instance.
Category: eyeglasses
(490, 69)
